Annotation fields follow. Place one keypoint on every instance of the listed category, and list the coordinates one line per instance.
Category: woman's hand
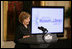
(26, 36)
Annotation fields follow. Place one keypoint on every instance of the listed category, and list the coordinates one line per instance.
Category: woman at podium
(23, 30)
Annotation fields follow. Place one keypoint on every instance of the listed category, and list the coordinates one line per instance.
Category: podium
(37, 39)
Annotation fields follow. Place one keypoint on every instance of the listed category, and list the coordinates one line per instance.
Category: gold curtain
(42, 3)
(5, 19)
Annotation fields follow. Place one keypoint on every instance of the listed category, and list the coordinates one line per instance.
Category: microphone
(43, 29)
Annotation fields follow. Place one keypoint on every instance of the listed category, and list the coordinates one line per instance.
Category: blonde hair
(22, 16)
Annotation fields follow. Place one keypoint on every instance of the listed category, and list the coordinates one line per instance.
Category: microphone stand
(44, 32)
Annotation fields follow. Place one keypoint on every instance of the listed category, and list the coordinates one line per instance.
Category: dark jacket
(21, 31)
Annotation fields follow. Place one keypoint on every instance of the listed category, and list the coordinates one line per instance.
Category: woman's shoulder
(19, 26)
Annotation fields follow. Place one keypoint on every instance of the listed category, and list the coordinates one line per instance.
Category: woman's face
(26, 21)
